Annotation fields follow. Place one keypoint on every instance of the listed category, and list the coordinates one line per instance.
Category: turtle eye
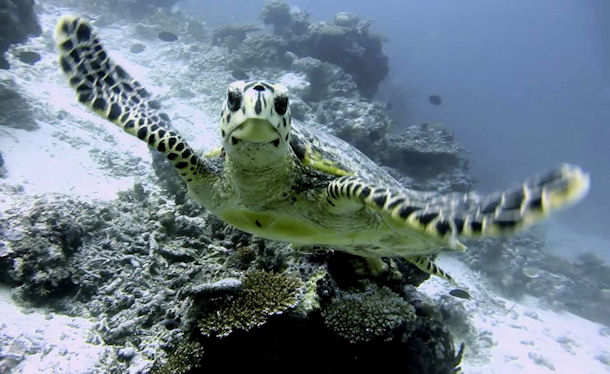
(281, 104)
(233, 100)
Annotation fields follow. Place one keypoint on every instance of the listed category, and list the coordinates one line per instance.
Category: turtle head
(256, 125)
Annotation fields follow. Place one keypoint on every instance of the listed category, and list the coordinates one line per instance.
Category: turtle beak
(255, 130)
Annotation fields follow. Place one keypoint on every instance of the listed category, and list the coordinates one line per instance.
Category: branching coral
(361, 317)
(263, 294)
(185, 358)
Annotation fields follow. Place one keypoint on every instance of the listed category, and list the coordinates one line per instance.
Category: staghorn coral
(263, 294)
(362, 317)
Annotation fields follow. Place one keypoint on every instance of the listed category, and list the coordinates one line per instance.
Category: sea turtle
(281, 180)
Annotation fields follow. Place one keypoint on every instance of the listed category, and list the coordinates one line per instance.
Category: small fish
(239, 75)
(435, 99)
(28, 57)
(137, 48)
(167, 36)
(458, 292)
(531, 272)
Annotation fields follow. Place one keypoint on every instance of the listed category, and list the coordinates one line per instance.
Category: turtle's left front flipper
(112, 93)
(447, 217)
(442, 219)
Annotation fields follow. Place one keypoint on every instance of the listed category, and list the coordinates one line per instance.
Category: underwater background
(524, 84)
(106, 265)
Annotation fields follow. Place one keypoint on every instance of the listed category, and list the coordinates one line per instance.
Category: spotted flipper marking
(417, 211)
(535, 199)
(454, 215)
(112, 93)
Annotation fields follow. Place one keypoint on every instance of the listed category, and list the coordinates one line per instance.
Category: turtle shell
(307, 141)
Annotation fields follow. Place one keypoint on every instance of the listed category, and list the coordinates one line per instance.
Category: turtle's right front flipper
(112, 93)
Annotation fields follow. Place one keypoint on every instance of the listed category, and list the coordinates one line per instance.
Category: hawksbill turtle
(280, 180)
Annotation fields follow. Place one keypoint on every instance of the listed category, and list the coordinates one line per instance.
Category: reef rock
(284, 19)
(326, 81)
(17, 22)
(428, 157)
(354, 48)
(346, 42)
(3, 171)
(16, 110)
(28, 57)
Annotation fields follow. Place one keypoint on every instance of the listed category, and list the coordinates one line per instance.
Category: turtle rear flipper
(112, 93)
(450, 216)
(427, 265)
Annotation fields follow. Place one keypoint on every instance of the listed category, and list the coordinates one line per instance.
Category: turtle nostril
(259, 88)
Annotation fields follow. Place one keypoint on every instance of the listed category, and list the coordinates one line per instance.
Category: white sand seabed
(42, 167)
(45, 342)
(522, 337)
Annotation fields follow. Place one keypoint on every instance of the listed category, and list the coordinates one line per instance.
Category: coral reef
(150, 270)
(171, 286)
(232, 35)
(354, 48)
(17, 21)
(348, 45)
(284, 19)
(38, 240)
(364, 316)
(263, 294)
(326, 81)
(185, 358)
(260, 51)
(424, 157)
